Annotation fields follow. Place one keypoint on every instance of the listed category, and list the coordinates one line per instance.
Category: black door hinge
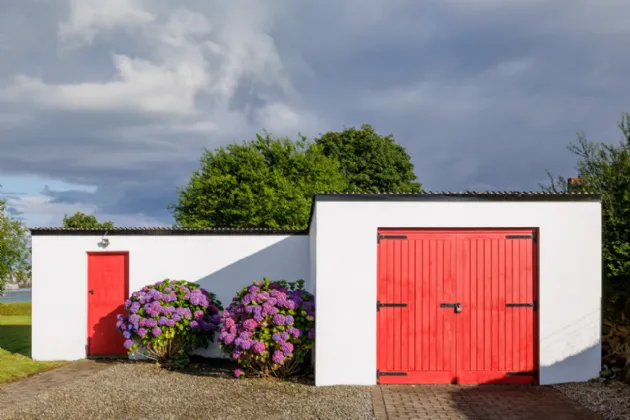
(379, 237)
(380, 305)
(379, 373)
(532, 236)
(523, 305)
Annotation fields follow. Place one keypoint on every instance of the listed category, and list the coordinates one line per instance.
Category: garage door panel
(419, 338)
(495, 340)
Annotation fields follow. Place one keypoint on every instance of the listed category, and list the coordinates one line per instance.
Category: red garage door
(456, 307)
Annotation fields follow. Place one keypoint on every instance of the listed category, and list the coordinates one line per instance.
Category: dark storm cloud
(483, 95)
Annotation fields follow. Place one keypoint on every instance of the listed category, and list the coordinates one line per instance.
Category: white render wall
(569, 279)
(222, 264)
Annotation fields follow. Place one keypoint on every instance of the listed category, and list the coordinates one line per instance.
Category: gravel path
(611, 400)
(144, 391)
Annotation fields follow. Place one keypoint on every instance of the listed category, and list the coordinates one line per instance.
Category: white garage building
(464, 288)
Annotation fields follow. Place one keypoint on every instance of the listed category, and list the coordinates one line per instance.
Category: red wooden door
(416, 342)
(496, 327)
(108, 287)
(456, 306)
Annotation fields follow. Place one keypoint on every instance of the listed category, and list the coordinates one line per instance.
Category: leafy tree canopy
(84, 221)
(268, 182)
(14, 247)
(605, 169)
(370, 161)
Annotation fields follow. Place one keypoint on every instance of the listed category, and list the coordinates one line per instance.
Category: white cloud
(88, 17)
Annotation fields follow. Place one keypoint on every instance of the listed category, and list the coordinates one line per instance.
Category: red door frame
(480, 231)
(87, 289)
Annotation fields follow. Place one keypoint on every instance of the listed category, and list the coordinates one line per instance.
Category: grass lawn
(15, 348)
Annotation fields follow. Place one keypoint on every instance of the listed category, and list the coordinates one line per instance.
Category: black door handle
(457, 306)
(91, 291)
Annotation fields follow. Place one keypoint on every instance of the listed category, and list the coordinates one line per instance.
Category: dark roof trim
(514, 196)
(135, 231)
(459, 196)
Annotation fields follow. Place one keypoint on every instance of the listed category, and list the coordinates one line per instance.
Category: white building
(410, 288)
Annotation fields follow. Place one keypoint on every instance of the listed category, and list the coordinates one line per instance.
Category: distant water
(21, 295)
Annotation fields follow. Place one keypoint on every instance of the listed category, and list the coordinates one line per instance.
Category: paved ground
(485, 402)
(26, 389)
(102, 389)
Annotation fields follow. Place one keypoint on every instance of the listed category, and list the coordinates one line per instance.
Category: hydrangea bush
(269, 328)
(167, 320)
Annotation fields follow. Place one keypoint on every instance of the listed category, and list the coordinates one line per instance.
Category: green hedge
(17, 308)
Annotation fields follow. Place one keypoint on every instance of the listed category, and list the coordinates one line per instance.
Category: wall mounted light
(104, 242)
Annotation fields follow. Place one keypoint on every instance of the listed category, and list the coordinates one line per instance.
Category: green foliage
(14, 247)
(84, 221)
(372, 162)
(267, 183)
(17, 308)
(605, 169)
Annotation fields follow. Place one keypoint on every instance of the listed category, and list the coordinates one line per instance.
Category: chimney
(575, 184)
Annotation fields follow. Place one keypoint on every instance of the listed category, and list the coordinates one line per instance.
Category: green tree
(371, 162)
(14, 247)
(268, 182)
(84, 221)
(605, 169)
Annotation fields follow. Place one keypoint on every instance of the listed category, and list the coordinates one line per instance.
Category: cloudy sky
(105, 106)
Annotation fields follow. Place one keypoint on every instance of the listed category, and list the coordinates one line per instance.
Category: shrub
(15, 308)
(167, 320)
(269, 328)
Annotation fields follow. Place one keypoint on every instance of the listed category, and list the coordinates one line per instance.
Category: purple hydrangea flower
(279, 319)
(128, 343)
(258, 317)
(176, 317)
(275, 337)
(170, 323)
(127, 304)
(277, 357)
(289, 320)
(284, 335)
(287, 349)
(250, 324)
(135, 307)
(222, 335)
(156, 331)
(236, 354)
(163, 321)
(134, 319)
(311, 334)
(198, 315)
(258, 347)
(295, 332)
(246, 344)
(142, 332)
(194, 324)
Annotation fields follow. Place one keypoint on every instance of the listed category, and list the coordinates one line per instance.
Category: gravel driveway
(144, 391)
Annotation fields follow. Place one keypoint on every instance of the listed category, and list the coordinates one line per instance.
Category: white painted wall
(570, 279)
(221, 264)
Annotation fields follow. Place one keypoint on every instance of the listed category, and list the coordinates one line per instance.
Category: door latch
(91, 291)
(457, 306)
